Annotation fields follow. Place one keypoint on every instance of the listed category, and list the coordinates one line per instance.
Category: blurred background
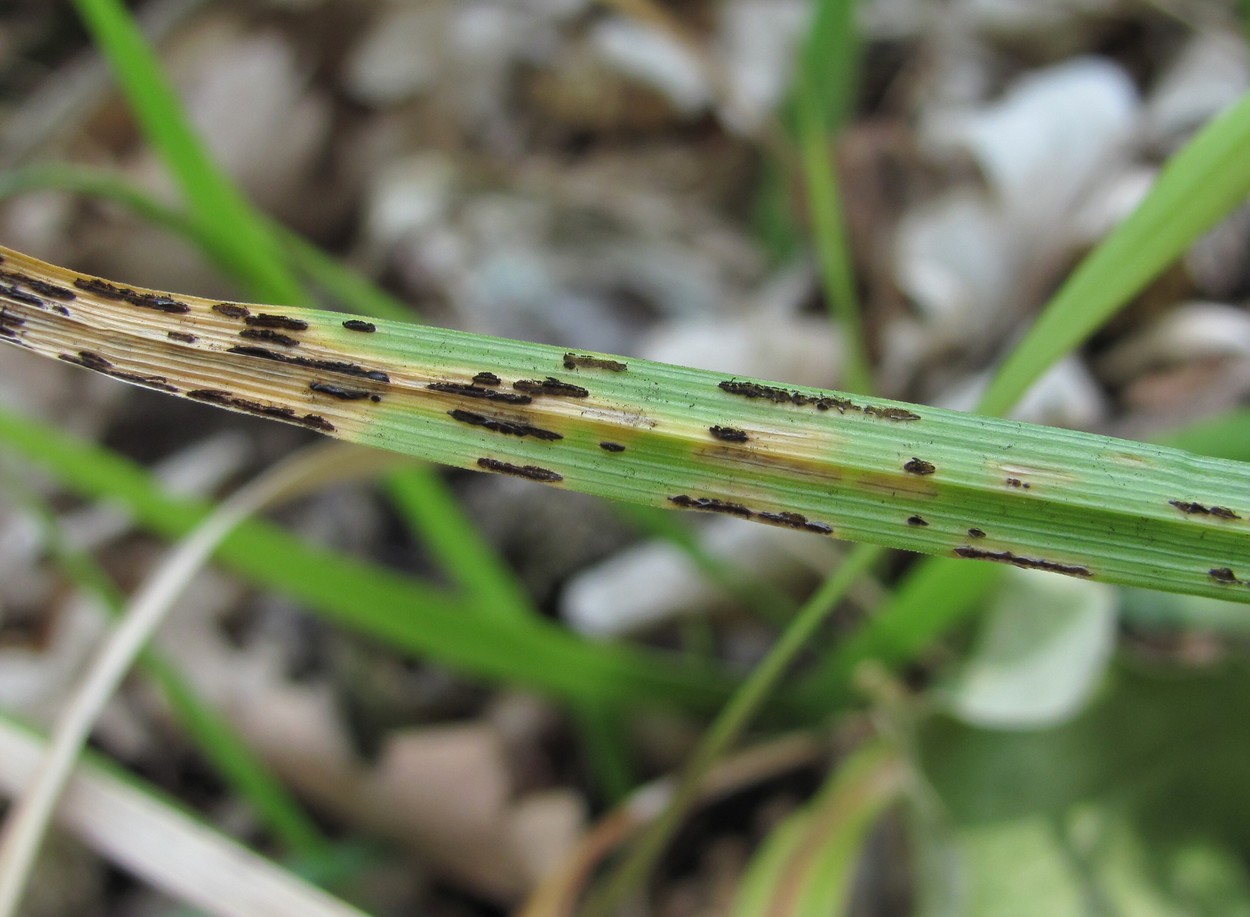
(624, 176)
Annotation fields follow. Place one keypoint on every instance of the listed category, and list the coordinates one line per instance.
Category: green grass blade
(221, 745)
(349, 288)
(919, 478)
(725, 731)
(807, 865)
(456, 544)
(938, 594)
(829, 63)
(387, 606)
(209, 193)
(1226, 436)
(1196, 188)
(823, 94)
(833, 251)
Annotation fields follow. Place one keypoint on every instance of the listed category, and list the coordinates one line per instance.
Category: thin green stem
(725, 730)
(832, 247)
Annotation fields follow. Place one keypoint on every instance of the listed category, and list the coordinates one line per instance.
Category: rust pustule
(787, 396)
(1190, 508)
(338, 391)
(269, 336)
(898, 414)
(550, 386)
(710, 505)
(1028, 563)
(108, 290)
(507, 427)
(266, 320)
(334, 366)
(232, 310)
(532, 472)
(26, 299)
(42, 287)
(469, 391)
(795, 521)
(586, 361)
(728, 434)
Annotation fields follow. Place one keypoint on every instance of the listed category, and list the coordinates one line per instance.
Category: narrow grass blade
(224, 749)
(26, 825)
(1196, 188)
(918, 478)
(210, 195)
(397, 610)
(807, 866)
(135, 827)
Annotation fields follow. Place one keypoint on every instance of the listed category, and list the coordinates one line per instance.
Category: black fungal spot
(265, 320)
(60, 310)
(273, 411)
(231, 310)
(1197, 509)
(486, 378)
(8, 319)
(211, 395)
(7, 332)
(916, 520)
(785, 520)
(469, 391)
(975, 533)
(1223, 575)
(919, 466)
(270, 336)
(333, 366)
(532, 472)
(155, 382)
(550, 386)
(507, 427)
(784, 396)
(29, 299)
(42, 287)
(337, 391)
(317, 422)
(1028, 563)
(710, 505)
(101, 288)
(728, 434)
(355, 324)
(899, 414)
(795, 521)
(182, 336)
(106, 290)
(1017, 483)
(611, 447)
(586, 361)
(92, 361)
(754, 390)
